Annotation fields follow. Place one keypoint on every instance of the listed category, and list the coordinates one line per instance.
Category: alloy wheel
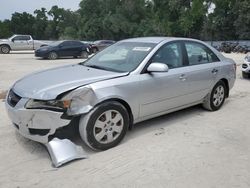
(108, 126)
(218, 96)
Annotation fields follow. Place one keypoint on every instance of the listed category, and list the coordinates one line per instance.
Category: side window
(17, 38)
(26, 37)
(22, 38)
(199, 54)
(170, 54)
(65, 44)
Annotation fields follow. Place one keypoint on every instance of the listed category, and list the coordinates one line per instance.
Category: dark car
(100, 45)
(63, 49)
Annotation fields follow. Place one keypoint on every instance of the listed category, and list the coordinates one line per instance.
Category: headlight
(50, 105)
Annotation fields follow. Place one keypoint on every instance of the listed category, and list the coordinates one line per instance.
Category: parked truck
(19, 42)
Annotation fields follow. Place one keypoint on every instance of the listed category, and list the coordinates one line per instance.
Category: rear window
(199, 54)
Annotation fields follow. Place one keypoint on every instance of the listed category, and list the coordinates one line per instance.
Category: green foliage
(5, 30)
(119, 19)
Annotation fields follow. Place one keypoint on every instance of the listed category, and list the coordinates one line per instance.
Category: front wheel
(53, 55)
(216, 98)
(5, 49)
(105, 126)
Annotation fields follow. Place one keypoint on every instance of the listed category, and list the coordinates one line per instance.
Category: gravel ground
(190, 148)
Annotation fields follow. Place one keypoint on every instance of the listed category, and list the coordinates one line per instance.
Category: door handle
(182, 77)
(215, 71)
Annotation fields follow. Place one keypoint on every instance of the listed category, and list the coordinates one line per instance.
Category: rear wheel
(216, 98)
(5, 49)
(53, 55)
(84, 55)
(245, 75)
(105, 126)
(94, 50)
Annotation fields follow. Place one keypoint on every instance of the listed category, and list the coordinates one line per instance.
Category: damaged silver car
(128, 82)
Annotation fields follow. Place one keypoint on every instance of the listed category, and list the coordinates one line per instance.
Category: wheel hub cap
(218, 96)
(108, 126)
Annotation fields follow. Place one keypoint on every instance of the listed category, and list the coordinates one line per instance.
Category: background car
(63, 49)
(100, 45)
(18, 43)
(246, 67)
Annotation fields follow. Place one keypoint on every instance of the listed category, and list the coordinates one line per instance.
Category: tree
(41, 23)
(22, 23)
(5, 30)
(242, 23)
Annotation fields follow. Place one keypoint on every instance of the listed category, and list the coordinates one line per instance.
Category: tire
(5, 49)
(100, 132)
(216, 98)
(53, 55)
(94, 50)
(84, 55)
(245, 75)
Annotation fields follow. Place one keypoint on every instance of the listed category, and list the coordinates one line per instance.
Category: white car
(246, 67)
(19, 42)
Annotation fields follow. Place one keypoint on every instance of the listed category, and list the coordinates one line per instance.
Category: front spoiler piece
(64, 151)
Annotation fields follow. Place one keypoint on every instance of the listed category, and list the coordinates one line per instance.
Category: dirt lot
(190, 148)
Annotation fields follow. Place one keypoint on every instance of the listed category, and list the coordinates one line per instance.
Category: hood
(48, 84)
(47, 47)
(4, 40)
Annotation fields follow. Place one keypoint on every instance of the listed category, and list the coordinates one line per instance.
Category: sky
(8, 7)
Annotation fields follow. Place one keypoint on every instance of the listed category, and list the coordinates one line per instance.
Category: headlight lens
(50, 105)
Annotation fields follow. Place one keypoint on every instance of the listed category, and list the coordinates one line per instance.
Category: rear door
(77, 48)
(66, 49)
(204, 66)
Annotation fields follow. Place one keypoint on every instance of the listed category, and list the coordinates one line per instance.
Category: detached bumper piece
(64, 151)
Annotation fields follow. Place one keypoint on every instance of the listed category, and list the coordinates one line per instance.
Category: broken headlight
(49, 105)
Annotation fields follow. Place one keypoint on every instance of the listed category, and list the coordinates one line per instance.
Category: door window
(199, 54)
(169, 54)
(22, 38)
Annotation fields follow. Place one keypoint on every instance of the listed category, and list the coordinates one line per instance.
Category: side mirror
(157, 67)
(13, 40)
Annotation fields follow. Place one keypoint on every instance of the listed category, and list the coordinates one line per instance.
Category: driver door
(20, 43)
(162, 91)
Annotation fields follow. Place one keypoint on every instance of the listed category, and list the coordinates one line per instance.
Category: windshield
(120, 57)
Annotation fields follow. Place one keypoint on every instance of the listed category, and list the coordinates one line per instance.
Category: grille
(244, 66)
(41, 132)
(13, 98)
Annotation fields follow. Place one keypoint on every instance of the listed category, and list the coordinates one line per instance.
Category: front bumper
(35, 124)
(43, 54)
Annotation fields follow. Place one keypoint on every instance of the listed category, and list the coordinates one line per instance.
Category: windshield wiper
(101, 68)
(94, 66)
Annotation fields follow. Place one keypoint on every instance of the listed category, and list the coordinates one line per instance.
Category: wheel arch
(5, 45)
(225, 81)
(125, 104)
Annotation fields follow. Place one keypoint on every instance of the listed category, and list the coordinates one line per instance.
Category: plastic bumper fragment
(64, 151)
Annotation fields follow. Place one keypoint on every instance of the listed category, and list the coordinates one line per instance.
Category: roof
(155, 40)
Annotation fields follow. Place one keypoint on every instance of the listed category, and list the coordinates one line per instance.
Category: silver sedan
(126, 83)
